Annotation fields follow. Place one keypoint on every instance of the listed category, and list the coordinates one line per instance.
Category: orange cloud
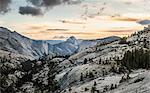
(78, 33)
(100, 26)
(72, 21)
(114, 31)
(125, 19)
(36, 27)
(57, 29)
(59, 37)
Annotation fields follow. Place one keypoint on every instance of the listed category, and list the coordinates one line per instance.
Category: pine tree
(85, 61)
(112, 86)
(91, 75)
(81, 77)
(93, 89)
(95, 83)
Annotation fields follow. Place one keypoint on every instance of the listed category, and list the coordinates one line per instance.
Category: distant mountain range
(14, 42)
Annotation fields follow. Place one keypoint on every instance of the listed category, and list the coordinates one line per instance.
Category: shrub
(86, 89)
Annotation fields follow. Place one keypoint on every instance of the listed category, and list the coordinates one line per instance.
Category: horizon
(83, 19)
(58, 39)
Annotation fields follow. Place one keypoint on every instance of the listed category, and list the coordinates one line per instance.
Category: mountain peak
(72, 37)
(72, 40)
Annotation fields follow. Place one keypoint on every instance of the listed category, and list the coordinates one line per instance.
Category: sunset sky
(84, 19)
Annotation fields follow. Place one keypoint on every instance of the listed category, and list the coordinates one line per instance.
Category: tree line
(135, 59)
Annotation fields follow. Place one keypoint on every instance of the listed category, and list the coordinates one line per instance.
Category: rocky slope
(84, 44)
(95, 64)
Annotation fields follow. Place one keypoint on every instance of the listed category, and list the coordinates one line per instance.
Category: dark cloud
(144, 22)
(28, 10)
(35, 2)
(74, 1)
(4, 6)
(39, 4)
(51, 3)
(45, 3)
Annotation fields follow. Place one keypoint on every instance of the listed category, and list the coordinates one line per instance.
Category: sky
(84, 19)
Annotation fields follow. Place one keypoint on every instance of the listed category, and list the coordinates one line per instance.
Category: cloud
(59, 37)
(43, 4)
(133, 1)
(36, 27)
(124, 19)
(78, 33)
(51, 3)
(28, 10)
(93, 10)
(43, 27)
(114, 31)
(57, 29)
(144, 22)
(4, 6)
(38, 5)
(71, 21)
